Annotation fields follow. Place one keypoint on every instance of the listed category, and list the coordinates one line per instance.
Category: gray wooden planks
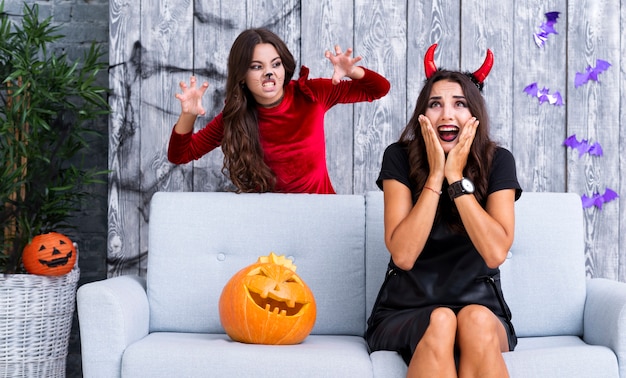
(155, 45)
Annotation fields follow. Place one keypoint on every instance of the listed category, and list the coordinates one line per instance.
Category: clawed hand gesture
(343, 64)
(191, 98)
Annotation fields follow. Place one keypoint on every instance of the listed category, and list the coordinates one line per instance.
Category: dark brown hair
(243, 155)
(481, 152)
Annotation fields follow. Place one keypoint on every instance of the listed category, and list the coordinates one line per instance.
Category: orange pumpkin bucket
(51, 254)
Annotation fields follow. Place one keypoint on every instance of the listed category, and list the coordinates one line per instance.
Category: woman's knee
(476, 314)
(440, 334)
(477, 324)
(443, 323)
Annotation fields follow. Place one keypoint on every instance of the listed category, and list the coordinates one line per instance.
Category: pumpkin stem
(278, 260)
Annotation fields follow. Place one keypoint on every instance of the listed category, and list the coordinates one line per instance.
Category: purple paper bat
(583, 146)
(597, 199)
(546, 29)
(544, 94)
(591, 73)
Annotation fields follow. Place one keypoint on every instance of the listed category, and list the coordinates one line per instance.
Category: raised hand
(434, 151)
(343, 64)
(191, 98)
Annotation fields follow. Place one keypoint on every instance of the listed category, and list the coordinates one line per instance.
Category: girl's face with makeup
(447, 111)
(266, 75)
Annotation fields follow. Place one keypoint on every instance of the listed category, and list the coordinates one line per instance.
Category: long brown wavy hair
(481, 152)
(243, 155)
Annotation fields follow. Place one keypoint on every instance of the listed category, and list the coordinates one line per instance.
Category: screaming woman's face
(447, 111)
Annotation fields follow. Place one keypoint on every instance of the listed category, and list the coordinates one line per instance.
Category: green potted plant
(46, 105)
(46, 102)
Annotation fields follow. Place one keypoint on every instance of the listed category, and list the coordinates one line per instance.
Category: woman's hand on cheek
(436, 156)
(457, 158)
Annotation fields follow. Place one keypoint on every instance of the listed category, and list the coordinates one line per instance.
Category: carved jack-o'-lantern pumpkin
(267, 303)
(51, 254)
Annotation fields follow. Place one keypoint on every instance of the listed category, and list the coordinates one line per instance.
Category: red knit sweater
(292, 133)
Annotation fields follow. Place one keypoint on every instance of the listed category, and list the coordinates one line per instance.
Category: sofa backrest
(376, 256)
(198, 241)
(543, 278)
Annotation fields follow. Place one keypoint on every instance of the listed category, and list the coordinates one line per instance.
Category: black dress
(448, 273)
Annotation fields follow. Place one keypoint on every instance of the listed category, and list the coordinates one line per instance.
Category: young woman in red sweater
(271, 128)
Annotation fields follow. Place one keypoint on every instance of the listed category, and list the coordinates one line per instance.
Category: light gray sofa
(168, 324)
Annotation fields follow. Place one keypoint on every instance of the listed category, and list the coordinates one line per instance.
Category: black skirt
(400, 318)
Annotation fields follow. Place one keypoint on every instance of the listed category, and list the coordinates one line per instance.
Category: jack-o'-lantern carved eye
(267, 303)
(275, 289)
(51, 254)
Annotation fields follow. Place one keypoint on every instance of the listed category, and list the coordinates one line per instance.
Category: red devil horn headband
(429, 61)
(481, 73)
(478, 76)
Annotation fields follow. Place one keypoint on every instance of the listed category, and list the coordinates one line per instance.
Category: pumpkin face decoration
(267, 303)
(50, 254)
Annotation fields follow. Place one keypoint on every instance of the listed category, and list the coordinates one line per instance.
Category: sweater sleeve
(370, 87)
(374, 84)
(184, 148)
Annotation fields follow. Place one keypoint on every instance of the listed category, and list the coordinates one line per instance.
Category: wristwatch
(461, 187)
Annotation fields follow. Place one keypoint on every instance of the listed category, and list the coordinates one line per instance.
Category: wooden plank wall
(156, 44)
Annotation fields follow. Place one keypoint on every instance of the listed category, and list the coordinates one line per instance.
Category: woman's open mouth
(268, 84)
(448, 133)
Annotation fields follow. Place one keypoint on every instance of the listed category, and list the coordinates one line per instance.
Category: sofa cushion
(190, 261)
(209, 355)
(560, 356)
(388, 364)
(545, 286)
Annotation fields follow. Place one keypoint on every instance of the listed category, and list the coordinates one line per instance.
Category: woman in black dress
(449, 195)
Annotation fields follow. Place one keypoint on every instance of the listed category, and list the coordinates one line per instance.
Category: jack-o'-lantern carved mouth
(276, 306)
(59, 261)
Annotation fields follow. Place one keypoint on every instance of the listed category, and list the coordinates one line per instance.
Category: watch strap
(456, 189)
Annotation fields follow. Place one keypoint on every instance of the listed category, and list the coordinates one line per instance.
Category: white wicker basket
(35, 323)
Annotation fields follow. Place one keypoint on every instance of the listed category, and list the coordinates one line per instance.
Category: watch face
(468, 186)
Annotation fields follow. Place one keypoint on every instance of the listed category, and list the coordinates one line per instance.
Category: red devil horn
(483, 71)
(429, 61)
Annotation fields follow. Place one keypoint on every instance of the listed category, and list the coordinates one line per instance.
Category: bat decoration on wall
(598, 199)
(591, 73)
(546, 29)
(543, 95)
(583, 146)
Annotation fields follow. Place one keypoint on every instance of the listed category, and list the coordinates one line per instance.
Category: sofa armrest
(605, 317)
(112, 314)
